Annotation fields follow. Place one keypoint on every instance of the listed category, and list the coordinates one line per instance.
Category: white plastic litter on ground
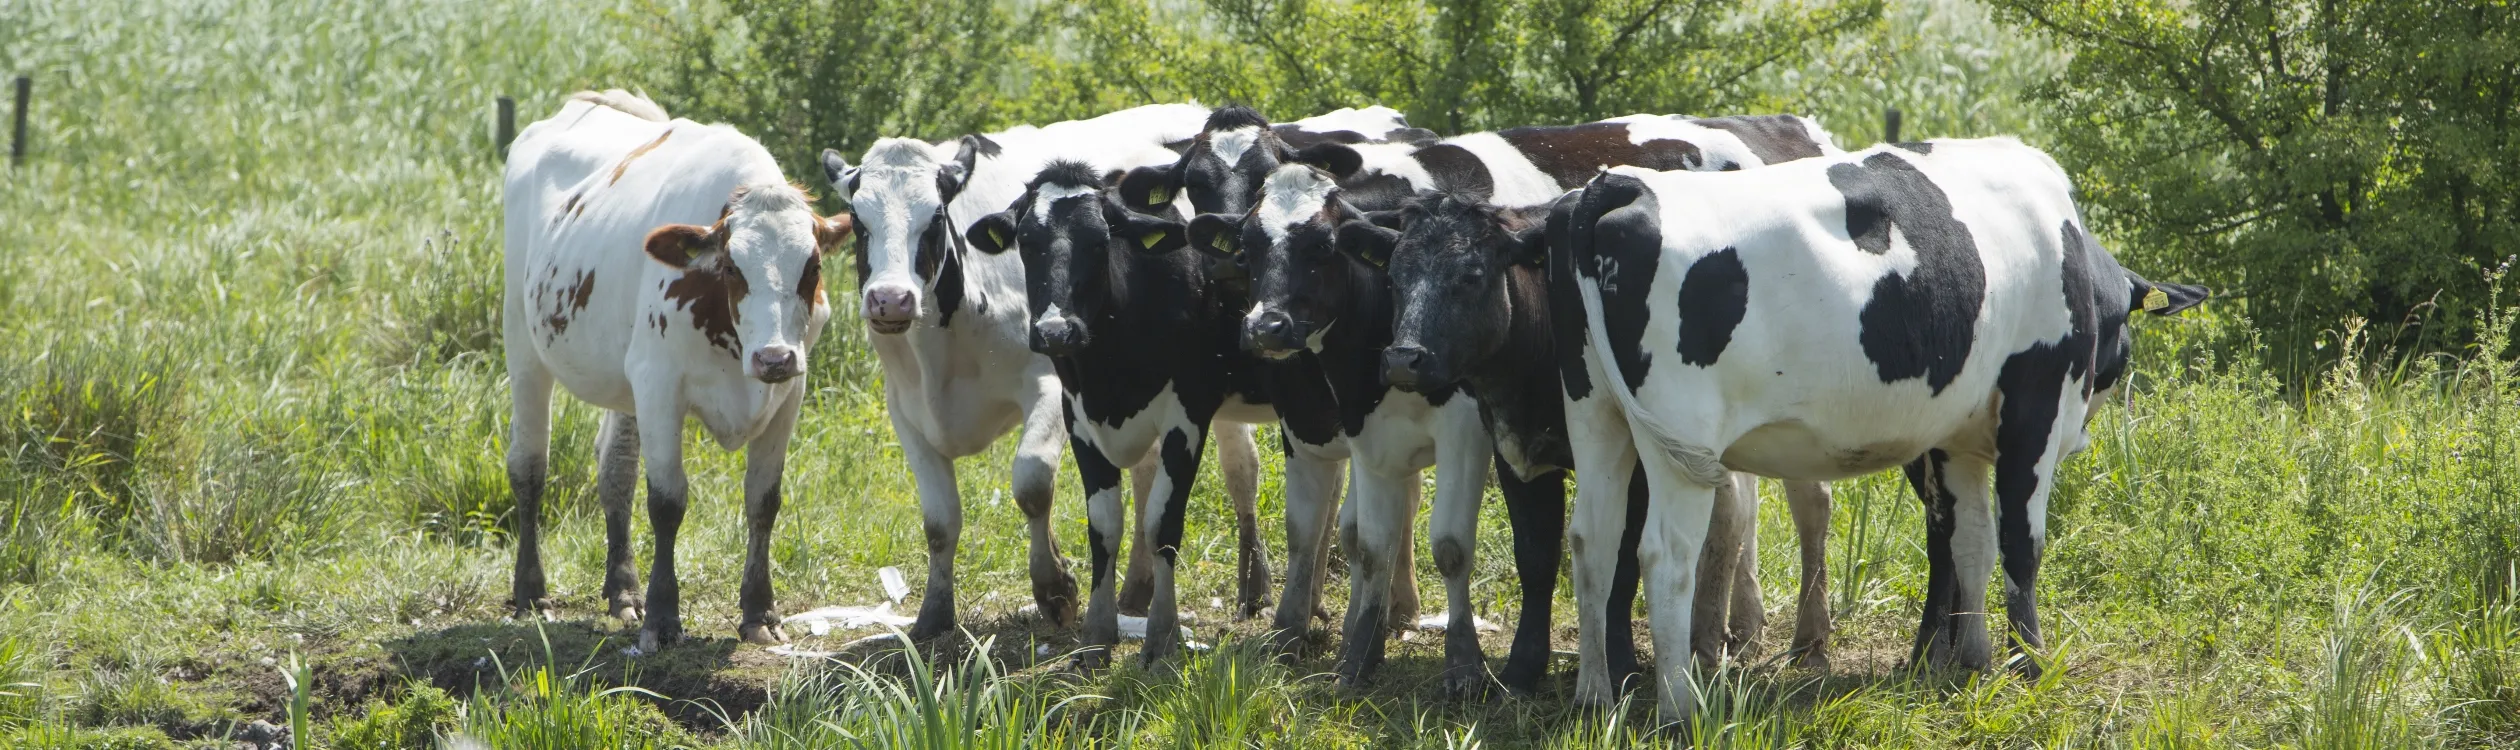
(895, 588)
(1435, 623)
(826, 619)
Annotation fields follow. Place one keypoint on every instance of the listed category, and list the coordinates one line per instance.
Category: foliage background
(249, 412)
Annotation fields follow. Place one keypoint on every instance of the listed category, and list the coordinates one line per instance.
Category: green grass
(250, 418)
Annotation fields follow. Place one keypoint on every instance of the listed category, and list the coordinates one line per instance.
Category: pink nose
(776, 364)
(890, 309)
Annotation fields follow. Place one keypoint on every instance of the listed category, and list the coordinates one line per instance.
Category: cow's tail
(1607, 192)
(634, 105)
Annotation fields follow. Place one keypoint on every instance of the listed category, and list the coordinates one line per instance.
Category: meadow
(253, 420)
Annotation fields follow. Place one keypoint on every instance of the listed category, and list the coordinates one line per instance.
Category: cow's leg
(1746, 621)
(1718, 567)
(528, 459)
(1625, 578)
(1312, 497)
(1036, 482)
(941, 518)
(1972, 558)
(616, 481)
(1809, 502)
(1372, 535)
(1239, 461)
(1605, 465)
(2029, 444)
(1537, 511)
(765, 462)
(1675, 536)
(1104, 530)
(1926, 475)
(1180, 455)
(1137, 586)
(1405, 604)
(1462, 453)
(660, 447)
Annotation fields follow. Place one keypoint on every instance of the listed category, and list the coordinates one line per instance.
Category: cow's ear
(1337, 159)
(2162, 298)
(830, 231)
(993, 233)
(1153, 235)
(1219, 235)
(1368, 242)
(677, 245)
(1528, 228)
(1148, 189)
(1388, 219)
(836, 169)
(951, 176)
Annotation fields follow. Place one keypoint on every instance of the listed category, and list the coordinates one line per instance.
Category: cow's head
(1069, 229)
(1450, 303)
(898, 197)
(752, 282)
(1223, 167)
(1286, 245)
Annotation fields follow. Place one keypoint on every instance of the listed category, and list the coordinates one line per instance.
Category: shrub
(424, 714)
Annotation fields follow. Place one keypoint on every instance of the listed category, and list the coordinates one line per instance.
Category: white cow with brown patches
(662, 270)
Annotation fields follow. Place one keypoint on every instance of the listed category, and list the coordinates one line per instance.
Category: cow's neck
(1517, 384)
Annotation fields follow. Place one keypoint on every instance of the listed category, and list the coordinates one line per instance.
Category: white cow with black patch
(951, 325)
(1937, 303)
(711, 322)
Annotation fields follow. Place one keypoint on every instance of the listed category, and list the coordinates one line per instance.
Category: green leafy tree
(1451, 65)
(804, 75)
(2313, 159)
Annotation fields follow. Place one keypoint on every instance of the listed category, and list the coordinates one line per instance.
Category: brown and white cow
(664, 271)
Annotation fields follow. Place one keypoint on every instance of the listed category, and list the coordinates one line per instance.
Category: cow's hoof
(1289, 644)
(1136, 595)
(1354, 674)
(762, 633)
(1814, 659)
(656, 636)
(1253, 597)
(1091, 659)
(1465, 683)
(629, 608)
(930, 628)
(1057, 600)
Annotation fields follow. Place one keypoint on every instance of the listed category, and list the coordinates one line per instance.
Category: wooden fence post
(17, 129)
(1890, 125)
(507, 124)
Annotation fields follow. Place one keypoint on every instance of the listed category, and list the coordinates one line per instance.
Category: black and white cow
(1311, 299)
(1472, 308)
(1829, 318)
(1143, 342)
(712, 322)
(952, 328)
(1220, 172)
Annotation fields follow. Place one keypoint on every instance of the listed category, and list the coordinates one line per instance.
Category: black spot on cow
(1921, 147)
(1572, 154)
(1713, 297)
(940, 261)
(1097, 474)
(1456, 170)
(1566, 312)
(1234, 117)
(1626, 249)
(1775, 139)
(1926, 475)
(1923, 322)
(1180, 455)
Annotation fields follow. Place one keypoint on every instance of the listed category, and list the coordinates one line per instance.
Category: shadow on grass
(467, 659)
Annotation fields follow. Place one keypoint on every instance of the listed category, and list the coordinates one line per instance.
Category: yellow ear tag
(1148, 240)
(999, 235)
(1158, 196)
(2156, 300)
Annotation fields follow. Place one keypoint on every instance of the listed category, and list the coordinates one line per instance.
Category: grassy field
(253, 426)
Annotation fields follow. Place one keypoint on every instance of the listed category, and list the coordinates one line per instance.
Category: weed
(424, 714)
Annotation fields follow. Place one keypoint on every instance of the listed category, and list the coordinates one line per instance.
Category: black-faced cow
(952, 328)
(1143, 343)
(1472, 308)
(1829, 318)
(712, 322)
(1220, 172)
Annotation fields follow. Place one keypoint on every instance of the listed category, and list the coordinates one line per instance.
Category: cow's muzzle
(1410, 368)
(1273, 334)
(777, 364)
(1058, 337)
(891, 309)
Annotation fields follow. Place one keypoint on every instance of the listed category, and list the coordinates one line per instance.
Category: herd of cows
(1667, 307)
